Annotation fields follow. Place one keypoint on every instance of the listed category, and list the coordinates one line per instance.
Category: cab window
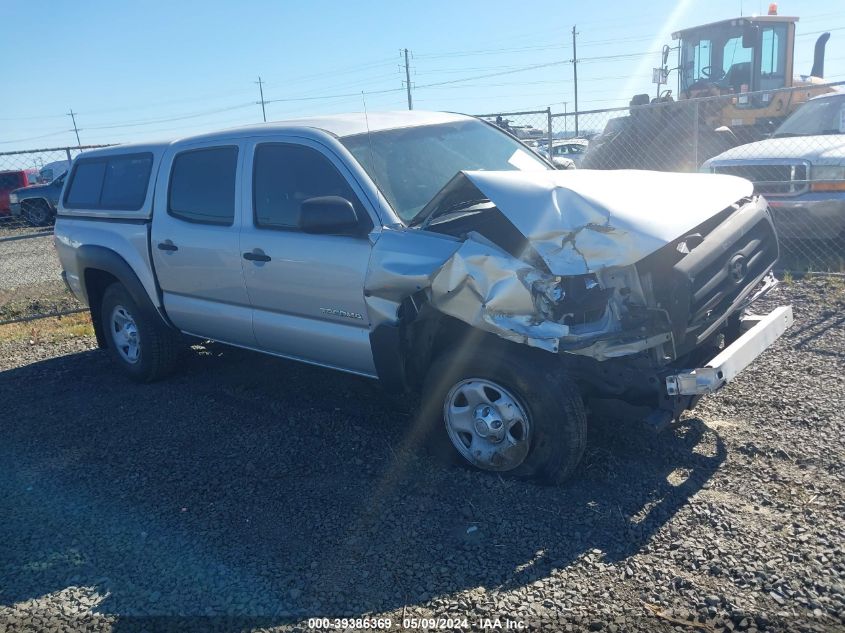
(773, 58)
(285, 175)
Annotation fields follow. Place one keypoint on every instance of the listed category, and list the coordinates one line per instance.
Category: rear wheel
(142, 345)
(506, 412)
(37, 213)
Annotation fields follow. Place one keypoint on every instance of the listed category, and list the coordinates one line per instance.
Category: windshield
(410, 165)
(820, 116)
(718, 55)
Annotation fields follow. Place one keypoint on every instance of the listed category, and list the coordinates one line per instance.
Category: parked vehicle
(435, 253)
(748, 61)
(11, 180)
(51, 171)
(801, 169)
(566, 153)
(37, 203)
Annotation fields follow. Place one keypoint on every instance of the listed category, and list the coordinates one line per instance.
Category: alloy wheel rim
(125, 334)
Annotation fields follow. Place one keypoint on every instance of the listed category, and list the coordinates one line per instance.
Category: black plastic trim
(100, 258)
(100, 218)
(386, 345)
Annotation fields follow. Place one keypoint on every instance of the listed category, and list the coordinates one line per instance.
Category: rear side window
(118, 182)
(125, 184)
(202, 185)
(10, 181)
(87, 185)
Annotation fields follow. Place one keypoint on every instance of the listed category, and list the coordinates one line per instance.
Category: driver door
(306, 290)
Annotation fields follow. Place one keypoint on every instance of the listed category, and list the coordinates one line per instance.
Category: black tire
(37, 213)
(158, 344)
(558, 422)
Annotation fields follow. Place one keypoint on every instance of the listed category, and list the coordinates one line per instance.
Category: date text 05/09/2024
(420, 624)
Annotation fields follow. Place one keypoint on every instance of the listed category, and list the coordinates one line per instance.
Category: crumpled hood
(581, 221)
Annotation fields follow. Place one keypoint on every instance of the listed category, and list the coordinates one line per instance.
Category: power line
(836, 28)
(34, 138)
(169, 119)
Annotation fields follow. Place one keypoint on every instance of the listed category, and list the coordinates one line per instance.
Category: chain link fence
(30, 282)
(799, 167)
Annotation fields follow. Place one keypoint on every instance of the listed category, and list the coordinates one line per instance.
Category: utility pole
(261, 92)
(575, 75)
(72, 116)
(408, 81)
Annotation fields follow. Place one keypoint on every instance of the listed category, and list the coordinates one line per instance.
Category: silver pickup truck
(435, 253)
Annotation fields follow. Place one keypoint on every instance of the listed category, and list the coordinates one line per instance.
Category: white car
(566, 153)
(51, 171)
(800, 170)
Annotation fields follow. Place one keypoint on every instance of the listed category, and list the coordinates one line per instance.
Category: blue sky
(153, 69)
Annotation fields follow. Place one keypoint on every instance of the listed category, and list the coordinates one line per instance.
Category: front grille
(770, 179)
(731, 254)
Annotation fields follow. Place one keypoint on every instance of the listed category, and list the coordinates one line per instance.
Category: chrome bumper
(761, 332)
(810, 215)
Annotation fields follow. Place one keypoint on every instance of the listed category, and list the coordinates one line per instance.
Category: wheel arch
(38, 199)
(102, 267)
(403, 352)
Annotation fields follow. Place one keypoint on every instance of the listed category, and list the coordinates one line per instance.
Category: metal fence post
(551, 134)
(67, 151)
(695, 134)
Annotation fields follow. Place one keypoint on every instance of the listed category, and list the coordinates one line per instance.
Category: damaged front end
(614, 271)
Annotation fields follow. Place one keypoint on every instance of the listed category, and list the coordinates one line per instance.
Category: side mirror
(750, 35)
(330, 215)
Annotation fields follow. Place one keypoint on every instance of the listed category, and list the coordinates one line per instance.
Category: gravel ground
(252, 493)
(28, 260)
(30, 278)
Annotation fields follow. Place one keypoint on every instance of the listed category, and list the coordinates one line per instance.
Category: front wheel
(37, 213)
(506, 412)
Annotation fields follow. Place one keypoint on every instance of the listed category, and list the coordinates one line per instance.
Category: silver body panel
(308, 300)
(202, 283)
(129, 240)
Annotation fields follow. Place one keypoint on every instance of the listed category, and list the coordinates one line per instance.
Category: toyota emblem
(737, 268)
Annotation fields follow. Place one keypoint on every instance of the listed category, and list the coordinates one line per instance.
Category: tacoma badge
(342, 313)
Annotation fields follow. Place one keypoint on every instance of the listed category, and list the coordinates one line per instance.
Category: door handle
(167, 245)
(257, 257)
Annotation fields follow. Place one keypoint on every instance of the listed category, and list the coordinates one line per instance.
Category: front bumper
(15, 208)
(760, 333)
(810, 215)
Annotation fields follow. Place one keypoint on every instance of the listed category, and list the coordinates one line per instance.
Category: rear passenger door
(195, 248)
(307, 290)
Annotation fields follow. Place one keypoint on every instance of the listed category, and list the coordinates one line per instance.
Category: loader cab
(736, 56)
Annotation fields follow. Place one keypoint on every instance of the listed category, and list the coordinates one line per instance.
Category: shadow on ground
(264, 490)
